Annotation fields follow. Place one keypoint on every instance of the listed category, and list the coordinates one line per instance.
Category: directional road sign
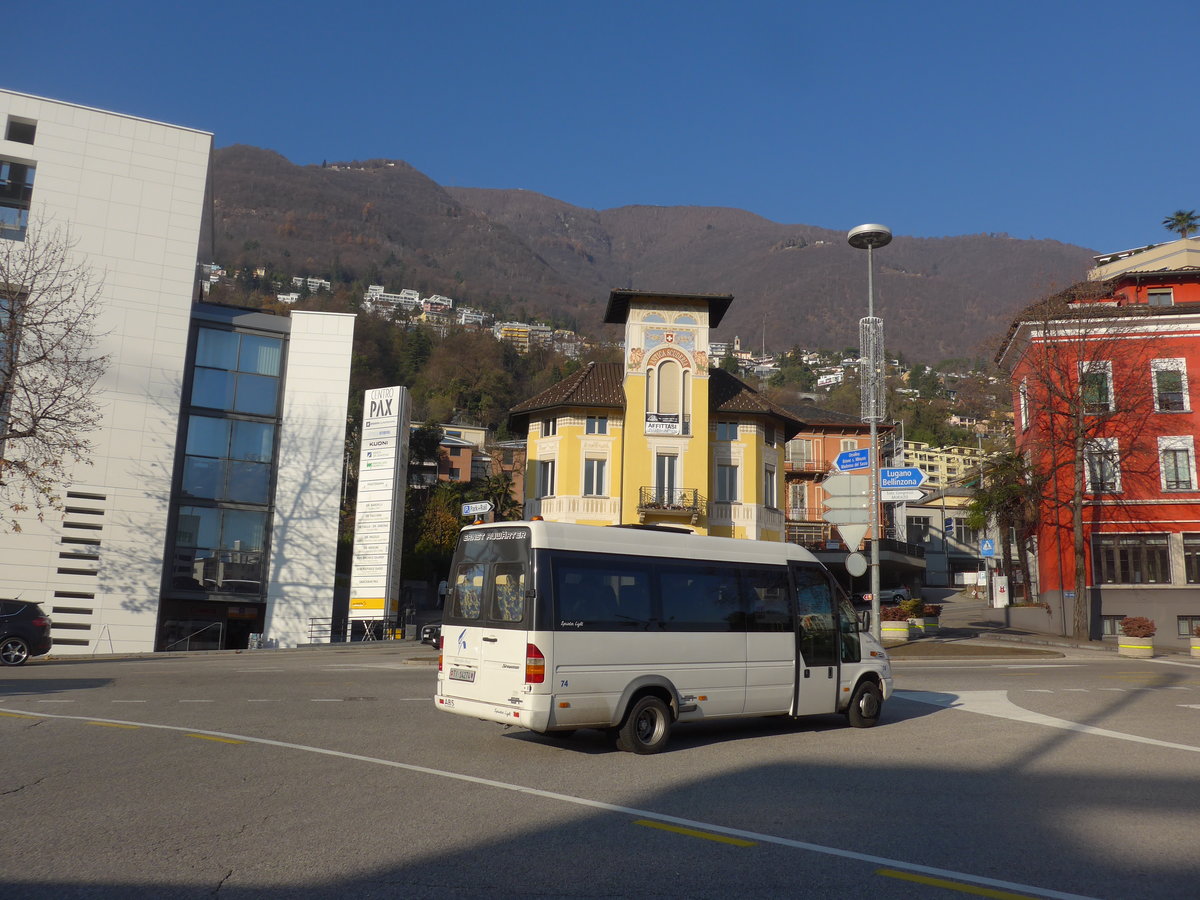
(900, 478)
(901, 496)
(477, 509)
(850, 460)
(847, 505)
(846, 491)
(841, 517)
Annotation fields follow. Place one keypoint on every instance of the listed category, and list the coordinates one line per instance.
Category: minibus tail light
(441, 645)
(535, 665)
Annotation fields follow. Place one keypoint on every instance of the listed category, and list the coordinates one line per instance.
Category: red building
(1106, 415)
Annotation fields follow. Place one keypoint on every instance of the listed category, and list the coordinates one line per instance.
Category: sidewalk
(965, 633)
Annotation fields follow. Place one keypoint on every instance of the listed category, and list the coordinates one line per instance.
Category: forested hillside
(523, 255)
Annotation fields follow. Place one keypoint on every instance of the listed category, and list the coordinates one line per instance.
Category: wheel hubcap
(869, 706)
(647, 726)
(12, 652)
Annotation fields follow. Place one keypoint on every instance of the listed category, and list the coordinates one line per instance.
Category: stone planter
(893, 631)
(925, 624)
(1195, 647)
(1135, 647)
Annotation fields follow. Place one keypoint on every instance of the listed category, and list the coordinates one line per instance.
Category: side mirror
(864, 620)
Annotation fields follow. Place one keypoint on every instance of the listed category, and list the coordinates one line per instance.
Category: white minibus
(555, 627)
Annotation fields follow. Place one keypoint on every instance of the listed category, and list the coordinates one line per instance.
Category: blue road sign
(987, 547)
(891, 479)
(849, 460)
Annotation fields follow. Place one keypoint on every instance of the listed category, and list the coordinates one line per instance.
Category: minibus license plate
(462, 674)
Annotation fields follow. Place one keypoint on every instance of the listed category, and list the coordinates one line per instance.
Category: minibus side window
(766, 594)
(814, 609)
(601, 594)
(851, 647)
(467, 602)
(701, 598)
(508, 592)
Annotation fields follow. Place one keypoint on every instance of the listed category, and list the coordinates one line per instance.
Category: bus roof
(651, 542)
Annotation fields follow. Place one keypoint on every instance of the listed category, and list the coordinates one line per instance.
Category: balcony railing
(805, 465)
(682, 502)
(806, 513)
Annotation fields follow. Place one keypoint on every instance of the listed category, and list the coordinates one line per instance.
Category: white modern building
(209, 512)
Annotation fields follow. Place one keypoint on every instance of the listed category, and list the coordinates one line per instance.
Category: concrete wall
(131, 192)
(309, 480)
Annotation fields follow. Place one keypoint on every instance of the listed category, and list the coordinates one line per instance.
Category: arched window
(670, 387)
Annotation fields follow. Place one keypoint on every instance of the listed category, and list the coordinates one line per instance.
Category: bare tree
(1080, 359)
(49, 367)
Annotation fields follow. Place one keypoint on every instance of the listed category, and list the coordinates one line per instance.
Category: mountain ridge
(528, 255)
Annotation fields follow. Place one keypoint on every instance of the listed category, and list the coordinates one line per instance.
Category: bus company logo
(462, 640)
(509, 535)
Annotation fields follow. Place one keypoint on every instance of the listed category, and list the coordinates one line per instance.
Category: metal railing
(187, 641)
(344, 629)
(686, 500)
(806, 513)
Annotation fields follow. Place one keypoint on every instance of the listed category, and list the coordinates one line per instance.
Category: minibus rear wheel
(646, 728)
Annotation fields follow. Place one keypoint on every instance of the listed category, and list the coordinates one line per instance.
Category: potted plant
(1137, 637)
(893, 623)
(1195, 641)
(922, 615)
(927, 619)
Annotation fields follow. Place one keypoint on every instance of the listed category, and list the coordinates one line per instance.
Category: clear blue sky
(1075, 121)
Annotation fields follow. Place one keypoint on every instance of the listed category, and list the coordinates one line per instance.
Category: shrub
(1137, 626)
(893, 614)
(912, 608)
(932, 610)
(1196, 631)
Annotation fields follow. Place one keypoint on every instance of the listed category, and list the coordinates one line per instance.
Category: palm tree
(1183, 221)
(497, 488)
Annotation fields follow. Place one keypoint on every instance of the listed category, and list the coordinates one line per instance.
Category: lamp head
(869, 237)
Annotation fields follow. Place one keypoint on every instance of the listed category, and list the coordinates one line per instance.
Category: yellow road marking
(18, 716)
(113, 725)
(209, 737)
(691, 832)
(953, 885)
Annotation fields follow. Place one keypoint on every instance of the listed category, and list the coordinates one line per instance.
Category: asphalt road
(330, 773)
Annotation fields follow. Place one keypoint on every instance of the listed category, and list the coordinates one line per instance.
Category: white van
(555, 627)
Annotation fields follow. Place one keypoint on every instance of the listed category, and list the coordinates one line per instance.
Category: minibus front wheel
(865, 705)
(647, 727)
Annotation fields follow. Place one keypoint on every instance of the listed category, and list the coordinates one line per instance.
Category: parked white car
(894, 594)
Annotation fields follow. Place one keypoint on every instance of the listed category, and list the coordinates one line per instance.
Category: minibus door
(816, 643)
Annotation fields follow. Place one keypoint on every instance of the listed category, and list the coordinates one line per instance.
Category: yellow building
(662, 437)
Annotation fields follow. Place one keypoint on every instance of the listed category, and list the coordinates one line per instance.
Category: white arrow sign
(853, 516)
(901, 496)
(846, 492)
(477, 509)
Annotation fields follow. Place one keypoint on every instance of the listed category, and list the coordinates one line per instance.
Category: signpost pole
(871, 374)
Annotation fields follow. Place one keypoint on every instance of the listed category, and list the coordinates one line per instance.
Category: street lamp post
(871, 388)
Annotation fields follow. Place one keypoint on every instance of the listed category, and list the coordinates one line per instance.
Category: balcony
(683, 503)
(806, 513)
(808, 466)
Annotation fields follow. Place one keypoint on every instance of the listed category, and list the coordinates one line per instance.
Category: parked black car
(431, 633)
(24, 632)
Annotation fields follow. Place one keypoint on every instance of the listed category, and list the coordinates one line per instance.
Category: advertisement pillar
(379, 519)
